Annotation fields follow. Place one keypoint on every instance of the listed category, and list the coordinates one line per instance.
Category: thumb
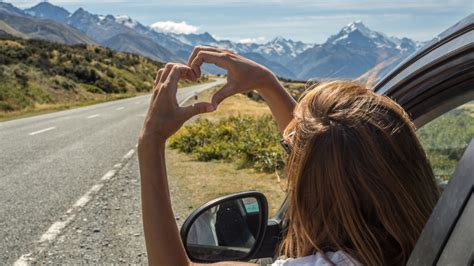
(225, 92)
(197, 108)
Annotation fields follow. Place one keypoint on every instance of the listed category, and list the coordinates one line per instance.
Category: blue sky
(262, 20)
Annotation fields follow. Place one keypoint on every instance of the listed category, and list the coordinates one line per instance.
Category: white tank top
(339, 258)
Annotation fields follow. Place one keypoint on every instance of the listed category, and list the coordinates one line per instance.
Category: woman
(360, 188)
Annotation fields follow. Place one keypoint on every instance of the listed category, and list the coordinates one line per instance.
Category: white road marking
(57, 227)
(108, 175)
(82, 201)
(120, 108)
(129, 154)
(41, 131)
(23, 260)
(93, 116)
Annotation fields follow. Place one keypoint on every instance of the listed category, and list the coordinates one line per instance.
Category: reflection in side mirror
(228, 228)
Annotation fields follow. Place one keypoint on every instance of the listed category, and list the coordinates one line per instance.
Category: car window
(445, 139)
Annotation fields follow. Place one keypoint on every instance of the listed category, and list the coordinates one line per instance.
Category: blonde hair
(358, 178)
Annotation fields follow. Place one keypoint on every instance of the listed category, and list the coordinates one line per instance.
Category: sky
(263, 20)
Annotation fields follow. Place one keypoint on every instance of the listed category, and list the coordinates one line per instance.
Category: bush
(445, 140)
(253, 141)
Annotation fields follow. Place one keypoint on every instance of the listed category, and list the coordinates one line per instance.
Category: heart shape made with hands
(188, 73)
(243, 75)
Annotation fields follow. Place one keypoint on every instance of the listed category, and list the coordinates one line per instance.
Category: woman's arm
(245, 75)
(164, 118)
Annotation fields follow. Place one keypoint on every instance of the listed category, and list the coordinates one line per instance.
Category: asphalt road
(49, 161)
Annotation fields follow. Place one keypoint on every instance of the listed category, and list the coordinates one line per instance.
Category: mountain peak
(10, 9)
(126, 21)
(81, 10)
(279, 39)
(44, 4)
(357, 32)
(48, 11)
(358, 25)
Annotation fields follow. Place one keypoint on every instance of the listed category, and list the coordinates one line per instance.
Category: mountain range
(355, 51)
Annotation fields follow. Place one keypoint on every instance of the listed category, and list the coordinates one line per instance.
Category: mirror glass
(226, 231)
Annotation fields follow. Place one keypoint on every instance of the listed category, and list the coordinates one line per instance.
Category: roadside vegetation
(40, 76)
(445, 139)
(250, 141)
(222, 170)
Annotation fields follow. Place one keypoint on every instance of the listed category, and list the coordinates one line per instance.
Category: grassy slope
(9, 30)
(39, 76)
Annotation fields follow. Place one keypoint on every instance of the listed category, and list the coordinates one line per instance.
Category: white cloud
(252, 40)
(174, 27)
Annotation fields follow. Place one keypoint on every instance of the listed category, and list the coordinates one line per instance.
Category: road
(48, 162)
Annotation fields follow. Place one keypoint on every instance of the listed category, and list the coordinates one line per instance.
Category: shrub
(253, 141)
(445, 140)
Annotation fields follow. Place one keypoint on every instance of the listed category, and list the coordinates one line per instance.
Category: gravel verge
(109, 228)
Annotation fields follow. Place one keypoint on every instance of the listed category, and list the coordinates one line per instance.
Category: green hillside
(37, 75)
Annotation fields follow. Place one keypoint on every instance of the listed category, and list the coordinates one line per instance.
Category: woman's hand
(242, 74)
(165, 116)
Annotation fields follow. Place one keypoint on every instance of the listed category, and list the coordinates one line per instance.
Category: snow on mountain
(356, 33)
(352, 52)
(126, 21)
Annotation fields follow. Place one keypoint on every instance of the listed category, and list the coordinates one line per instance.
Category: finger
(195, 109)
(197, 49)
(218, 59)
(157, 78)
(225, 92)
(166, 72)
(185, 72)
(176, 72)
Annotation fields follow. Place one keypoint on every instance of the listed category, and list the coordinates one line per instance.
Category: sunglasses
(286, 146)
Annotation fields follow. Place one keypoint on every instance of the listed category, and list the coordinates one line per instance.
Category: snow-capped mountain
(282, 50)
(351, 52)
(273, 54)
(357, 33)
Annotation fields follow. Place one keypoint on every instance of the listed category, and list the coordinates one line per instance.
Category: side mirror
(229, 228)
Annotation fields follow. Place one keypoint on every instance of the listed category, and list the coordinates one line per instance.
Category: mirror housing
(239, 234)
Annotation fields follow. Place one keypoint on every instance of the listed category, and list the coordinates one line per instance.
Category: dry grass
(238, 104)
(203, 181)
